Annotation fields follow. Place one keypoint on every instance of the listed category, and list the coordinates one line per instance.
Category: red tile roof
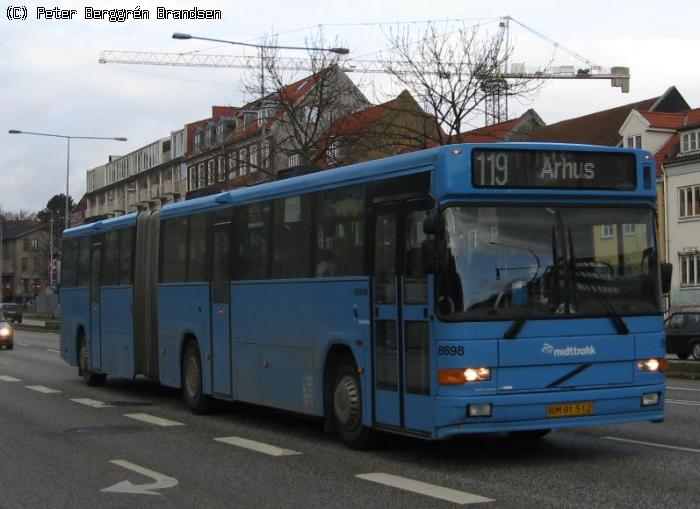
(489, 133)
(600, 128)
(672, 120)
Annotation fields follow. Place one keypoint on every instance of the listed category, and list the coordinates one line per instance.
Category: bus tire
(90, 378)
(531, 434)
(192, 385)
(696, 350)
(347, 408)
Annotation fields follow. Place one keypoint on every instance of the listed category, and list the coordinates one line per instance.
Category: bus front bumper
(531, 411)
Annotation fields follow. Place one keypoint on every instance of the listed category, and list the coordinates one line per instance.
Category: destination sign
(553, 169)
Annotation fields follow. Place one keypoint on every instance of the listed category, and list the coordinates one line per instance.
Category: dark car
(683, 334)
(6, 335)
(13, 311)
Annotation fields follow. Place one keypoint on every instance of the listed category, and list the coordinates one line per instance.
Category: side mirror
(666, 273)
(432, 224)
(428, 256)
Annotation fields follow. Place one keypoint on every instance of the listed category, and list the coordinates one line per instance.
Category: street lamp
(67, 138)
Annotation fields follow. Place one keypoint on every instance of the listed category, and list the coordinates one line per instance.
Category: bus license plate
(570, 409)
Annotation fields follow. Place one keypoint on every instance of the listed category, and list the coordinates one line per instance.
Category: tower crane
(495, 86)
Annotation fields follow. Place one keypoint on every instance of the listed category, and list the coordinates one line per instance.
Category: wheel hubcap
(696, 350)
(191, 376)
(346, 402)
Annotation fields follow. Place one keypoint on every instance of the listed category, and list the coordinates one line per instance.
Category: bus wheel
(696, 350)
(90, 377)
(192, 387)
(683, 356)
(532, 434)
(347, 408)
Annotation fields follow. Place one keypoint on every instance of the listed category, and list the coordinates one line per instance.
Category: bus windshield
(497, 263)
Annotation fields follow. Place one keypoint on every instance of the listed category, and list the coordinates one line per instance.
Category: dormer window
(198, 140)
(634, 141)
(690, 142)
(220, 132)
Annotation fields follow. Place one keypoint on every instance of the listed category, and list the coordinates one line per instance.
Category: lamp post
(67, 138)
(261, 47)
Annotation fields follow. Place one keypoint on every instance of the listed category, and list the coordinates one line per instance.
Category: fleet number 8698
(450, 350)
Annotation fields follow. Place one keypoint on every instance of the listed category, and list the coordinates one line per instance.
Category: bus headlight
(458, 376)
(653, 365)
(5, 331)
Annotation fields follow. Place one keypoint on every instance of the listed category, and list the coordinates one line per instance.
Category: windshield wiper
(619, 323)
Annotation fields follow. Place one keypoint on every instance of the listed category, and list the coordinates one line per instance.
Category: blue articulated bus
(507, 287)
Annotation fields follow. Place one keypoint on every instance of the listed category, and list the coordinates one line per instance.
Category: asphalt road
(57, 452)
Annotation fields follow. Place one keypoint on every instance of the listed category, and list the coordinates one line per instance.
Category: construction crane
(495, 87)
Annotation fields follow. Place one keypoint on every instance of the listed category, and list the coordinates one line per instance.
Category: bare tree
(298, 109)
(20, 215)
(455, 73)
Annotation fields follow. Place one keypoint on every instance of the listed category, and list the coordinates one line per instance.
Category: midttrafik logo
(569, 351)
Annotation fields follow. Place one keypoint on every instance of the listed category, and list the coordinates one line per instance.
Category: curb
(35, 328)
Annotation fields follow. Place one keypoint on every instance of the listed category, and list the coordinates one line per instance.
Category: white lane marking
(268, 449)
(23, 344)
(683, 402)
(422, 488)
(652, 444)
(6, 378)
(161, 481)
(42, 389)
(152, 419)
(683, 389)
(54, 351)
(91, 403)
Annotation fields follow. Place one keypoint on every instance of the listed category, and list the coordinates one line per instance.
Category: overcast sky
(51, 80)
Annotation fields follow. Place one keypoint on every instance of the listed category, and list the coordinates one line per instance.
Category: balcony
(168, 188)
(143, 196)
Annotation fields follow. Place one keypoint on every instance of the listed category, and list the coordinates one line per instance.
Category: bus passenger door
(95, 339)
(401, 326)
(387, 400)
(221, 361)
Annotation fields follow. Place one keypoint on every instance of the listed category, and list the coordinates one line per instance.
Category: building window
(628, 229)
(333, 154)
(25, 264)
(222, 169)
(201, 176)
(36, 265)
(210, 172)
(231, 165)
(192, 173)
(688, 201)
(690, 141)
(198, 140)
(208, 135)
(253, 158)
(689, 269)
(242, 162)
(220, 132)
(266, 154)
(294, 160)
(634, 141)
(607, 231)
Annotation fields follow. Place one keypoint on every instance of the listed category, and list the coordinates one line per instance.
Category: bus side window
(340, 232)
(291, 237)
(197, 261)
(174, 250)
(84, 262)
(69, 263)
(110, 264)
(126, 271)
(252, 240)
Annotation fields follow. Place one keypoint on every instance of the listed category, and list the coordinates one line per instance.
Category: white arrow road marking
(91, 402)
(270, 450)
(652, 444)
(54, 351)
(152, 419)
(6, 378)
(161, 481)
(42, 389)
(423, 488)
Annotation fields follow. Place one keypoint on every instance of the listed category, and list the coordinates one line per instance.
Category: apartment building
(25, 260)
(145, 178)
